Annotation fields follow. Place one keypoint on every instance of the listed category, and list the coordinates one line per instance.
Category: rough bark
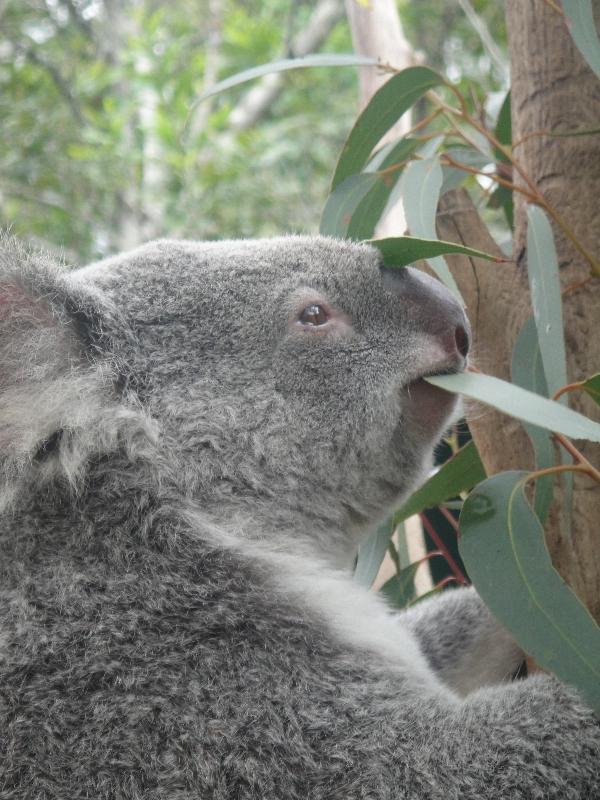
(552, 90)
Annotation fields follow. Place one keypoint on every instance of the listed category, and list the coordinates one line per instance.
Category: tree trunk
(555, 90)
(552, 90)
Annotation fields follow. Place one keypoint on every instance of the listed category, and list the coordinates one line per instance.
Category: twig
(444, 550)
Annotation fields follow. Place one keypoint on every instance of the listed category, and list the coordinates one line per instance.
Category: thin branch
(433, 534)
(578, 456)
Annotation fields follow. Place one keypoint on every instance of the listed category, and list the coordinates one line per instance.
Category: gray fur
(185, 478)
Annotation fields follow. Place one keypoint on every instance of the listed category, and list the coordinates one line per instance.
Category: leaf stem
(578, 456)
(433, 534)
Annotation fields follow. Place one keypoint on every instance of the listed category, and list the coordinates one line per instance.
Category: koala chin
(195, 438)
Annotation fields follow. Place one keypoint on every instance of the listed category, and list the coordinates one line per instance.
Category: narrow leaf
(503, 129)
(544, 284)
(527, 371)
(592, 387)
(421, 186)
(399, 590)
(399, 251)
(384, 109)
(580, 21)
(502, 545)
(458, 474)
(370, 209)
(371, 554)
(520, 403)
(356, 205)
(315, 60)
(344, 201)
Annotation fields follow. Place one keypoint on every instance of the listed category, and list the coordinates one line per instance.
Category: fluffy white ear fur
(58, 405)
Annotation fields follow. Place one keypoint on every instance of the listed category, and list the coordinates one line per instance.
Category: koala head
(278, 382)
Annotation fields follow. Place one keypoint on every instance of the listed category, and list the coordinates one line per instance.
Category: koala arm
(463, 642)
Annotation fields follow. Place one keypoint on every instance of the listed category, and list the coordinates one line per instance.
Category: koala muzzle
(436, 313)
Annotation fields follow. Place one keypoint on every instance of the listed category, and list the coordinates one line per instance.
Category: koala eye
(314, 315)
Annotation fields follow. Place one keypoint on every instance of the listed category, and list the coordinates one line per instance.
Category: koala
(195, 438)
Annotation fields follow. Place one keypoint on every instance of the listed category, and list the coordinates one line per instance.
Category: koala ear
(51, 379)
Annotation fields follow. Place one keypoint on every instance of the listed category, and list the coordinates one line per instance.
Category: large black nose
(433, 309)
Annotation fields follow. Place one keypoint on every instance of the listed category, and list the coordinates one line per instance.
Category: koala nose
(434, 309)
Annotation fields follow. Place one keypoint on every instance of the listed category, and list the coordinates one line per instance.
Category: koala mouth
(428, 406)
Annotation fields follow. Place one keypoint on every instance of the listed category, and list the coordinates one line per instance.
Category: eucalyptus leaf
(527, 371)
(421, 186)
(285, 64)
(592, 387)
(581, 23)
(385, 108)
(503, 129)
(344, 201)
(399, 590)
(460, 473)
(544, 285)
(371, 208)
(371, 553)
(399, 251)
(520, 403)
(502, 545)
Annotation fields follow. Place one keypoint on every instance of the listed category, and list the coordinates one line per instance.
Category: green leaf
(458, 474)
(399, 590)
(399, 251)
(502, 545)
(502, 197)
(384, 109)
(503, 130)
(356, 205)
(520, 403)
(371, 208)
(316, 60)
(580, 21)
(343, 202)
(527, 371)
(453, 176)
(371, 554)
(421, 186)
(592, 387)
(544, 284)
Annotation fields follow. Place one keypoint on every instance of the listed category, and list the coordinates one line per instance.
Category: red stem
(442, 547)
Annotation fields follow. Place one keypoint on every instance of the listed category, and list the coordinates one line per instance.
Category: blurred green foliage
(103, 146)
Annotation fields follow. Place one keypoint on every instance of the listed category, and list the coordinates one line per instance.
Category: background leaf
(527, 371)
(399, 590)
(285, 64)
(382, 112)
(503, 129)
(371, 554)
(502, 545)
(520, 403)
(460, 473)
(343, 202)
(544, 284)
(592, 387)
(580, 20)
(421, 186)
(356, 205)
